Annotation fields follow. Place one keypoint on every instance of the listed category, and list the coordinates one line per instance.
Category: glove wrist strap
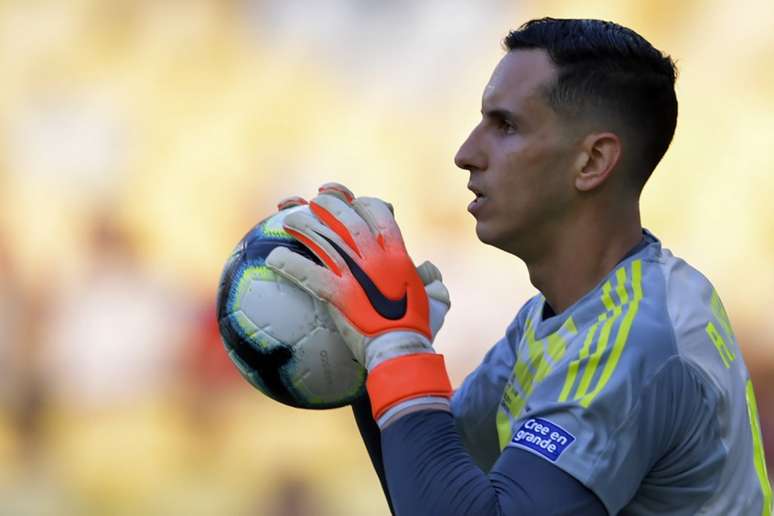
(394, 344)
(407, 377)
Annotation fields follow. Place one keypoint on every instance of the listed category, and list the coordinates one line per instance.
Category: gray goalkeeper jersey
(638, 390)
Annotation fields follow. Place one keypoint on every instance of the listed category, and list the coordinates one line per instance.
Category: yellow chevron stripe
(759, 458)
(572, 370)
(607, 300)
(623, 334)
(569, 326)
(521, 370)
(503, 428)
(525, 372)
(604, 334)
(620, 276)
(596, 357)
(522, 373)
(511, 398)
(556, 346)
(537, 364)
(556, 343)
(543, 368)
(529, 372)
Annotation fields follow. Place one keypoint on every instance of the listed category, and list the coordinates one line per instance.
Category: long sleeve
(429, 472)
(371, 435)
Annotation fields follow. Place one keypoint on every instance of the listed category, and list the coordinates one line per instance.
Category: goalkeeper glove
(386, 310)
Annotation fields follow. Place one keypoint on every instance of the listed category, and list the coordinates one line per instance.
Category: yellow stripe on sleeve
(758, 457)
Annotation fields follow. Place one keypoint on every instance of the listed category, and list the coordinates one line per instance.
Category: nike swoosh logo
(387, 308)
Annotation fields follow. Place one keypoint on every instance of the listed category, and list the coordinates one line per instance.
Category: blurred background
(140, 139)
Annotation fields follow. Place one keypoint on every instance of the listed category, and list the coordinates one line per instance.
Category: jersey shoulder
(703, 337)
(677, 313)
(677, 317)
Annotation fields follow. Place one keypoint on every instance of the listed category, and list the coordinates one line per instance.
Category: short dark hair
(606, 68)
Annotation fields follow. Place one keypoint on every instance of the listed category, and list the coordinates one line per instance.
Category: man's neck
(581, 257)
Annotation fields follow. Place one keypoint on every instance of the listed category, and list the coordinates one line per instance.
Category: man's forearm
(371, 435)
(429, 471)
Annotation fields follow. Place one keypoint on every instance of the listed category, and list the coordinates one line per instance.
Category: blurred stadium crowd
(139, 139)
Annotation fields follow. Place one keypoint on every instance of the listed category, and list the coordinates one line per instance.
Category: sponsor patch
(544, 437)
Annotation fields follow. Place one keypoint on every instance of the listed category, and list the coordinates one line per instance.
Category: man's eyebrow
(500, 114)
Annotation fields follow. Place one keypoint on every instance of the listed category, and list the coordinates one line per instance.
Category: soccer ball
(282, 339)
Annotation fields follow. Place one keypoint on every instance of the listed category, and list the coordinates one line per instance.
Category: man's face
(519, 157)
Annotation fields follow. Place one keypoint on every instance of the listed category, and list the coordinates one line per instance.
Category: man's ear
(600, 154)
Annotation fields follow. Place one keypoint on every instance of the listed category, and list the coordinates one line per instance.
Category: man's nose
(470, 155)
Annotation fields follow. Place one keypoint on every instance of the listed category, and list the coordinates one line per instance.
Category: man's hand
(382, 305)
(387, 311)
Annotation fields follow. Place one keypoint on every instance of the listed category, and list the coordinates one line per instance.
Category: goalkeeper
(620, 387)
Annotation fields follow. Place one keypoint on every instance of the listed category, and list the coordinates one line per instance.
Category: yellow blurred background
(140, 139)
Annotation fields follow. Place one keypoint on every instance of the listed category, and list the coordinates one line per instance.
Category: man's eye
(506, 127)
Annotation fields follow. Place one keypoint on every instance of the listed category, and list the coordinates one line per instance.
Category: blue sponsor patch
(544, 437)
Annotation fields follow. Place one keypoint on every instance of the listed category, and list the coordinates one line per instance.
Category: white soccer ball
(282, 339)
